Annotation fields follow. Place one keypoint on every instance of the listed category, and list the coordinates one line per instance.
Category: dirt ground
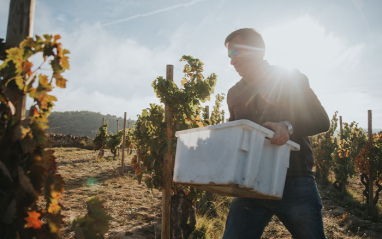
(136, 210)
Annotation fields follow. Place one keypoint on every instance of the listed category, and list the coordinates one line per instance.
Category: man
(283, 101)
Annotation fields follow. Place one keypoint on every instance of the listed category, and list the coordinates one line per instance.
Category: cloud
(153, 12)
(112, 68)
(109, 74)
(73, 99)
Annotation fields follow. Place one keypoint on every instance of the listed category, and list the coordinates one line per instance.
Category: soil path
(136, 210)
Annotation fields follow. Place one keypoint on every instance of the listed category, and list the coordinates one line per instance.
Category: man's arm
(302, 110)
(307, 116)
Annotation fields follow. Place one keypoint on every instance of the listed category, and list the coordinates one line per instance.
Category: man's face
(244, 58)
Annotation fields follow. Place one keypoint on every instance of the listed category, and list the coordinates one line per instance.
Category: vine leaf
(64, 59)
(60, 81)
(184, 81)
(20, 132)
(19, 82)
(27, 66)
(38, 131)
(27, 166)
(16, 55)
(25, 181)
(33, 221)
(95, 223)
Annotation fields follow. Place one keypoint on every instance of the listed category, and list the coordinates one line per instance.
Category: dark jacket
(282, 95)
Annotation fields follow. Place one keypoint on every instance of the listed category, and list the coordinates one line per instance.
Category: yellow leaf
(16, 55)
(54, 208)
(53, 228)
(19, 82)
(65, 62)
(43, 80)
(45, 99)
(32, 92)
(60, 81)
(183, 81)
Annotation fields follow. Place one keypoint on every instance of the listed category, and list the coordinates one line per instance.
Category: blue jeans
(299, 210)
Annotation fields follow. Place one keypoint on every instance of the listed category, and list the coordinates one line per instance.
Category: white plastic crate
(232, 159)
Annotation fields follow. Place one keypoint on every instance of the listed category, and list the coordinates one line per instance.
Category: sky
(119, 47)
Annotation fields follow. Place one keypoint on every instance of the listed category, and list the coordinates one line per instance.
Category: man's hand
(281, 132)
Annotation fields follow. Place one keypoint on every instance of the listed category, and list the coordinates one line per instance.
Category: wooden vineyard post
(371, 176)
(117, 133)
(341, 125)
(223, 116)
(123, 145)
(167, 166)
(207, 111)
(20, 26)
(128, 126)
(103, 121)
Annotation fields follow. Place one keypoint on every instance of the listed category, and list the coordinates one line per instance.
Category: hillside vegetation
(83, 123)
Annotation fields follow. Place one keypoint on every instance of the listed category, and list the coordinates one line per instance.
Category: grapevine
(217, 116)
(369, 164)
(151, 141)
(114, 141)
(350, 143)
(94, 224)
(27, 166)
(323, 146)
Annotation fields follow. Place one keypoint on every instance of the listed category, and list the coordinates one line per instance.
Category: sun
(302, 43)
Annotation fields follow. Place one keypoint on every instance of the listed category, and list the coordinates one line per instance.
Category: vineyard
(136, 211)
(77, 193)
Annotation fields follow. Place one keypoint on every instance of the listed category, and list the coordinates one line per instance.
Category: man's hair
(249, 35)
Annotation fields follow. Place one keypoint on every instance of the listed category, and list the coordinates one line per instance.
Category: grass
(212, 210)
(351, 197)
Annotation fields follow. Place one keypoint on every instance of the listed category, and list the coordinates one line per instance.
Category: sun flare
(304, 44)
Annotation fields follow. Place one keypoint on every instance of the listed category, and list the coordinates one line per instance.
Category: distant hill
(83, 123)
(87, 123)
